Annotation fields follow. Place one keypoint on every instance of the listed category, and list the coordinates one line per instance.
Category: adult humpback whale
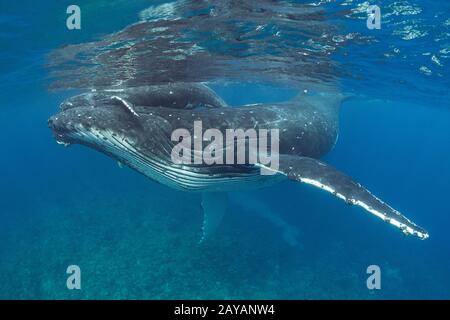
(134, 126)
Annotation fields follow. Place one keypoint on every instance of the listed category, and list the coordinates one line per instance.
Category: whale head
(83, 120)
(95, 115)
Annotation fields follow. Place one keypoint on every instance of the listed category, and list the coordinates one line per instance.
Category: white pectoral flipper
(321, 175)
(214, 205)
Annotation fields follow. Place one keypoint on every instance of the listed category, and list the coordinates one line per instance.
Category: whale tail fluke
(249, 204)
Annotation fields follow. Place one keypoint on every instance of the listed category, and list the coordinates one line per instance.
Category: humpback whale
(134, 126)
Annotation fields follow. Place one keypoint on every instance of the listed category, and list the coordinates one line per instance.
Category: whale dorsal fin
(325, 177)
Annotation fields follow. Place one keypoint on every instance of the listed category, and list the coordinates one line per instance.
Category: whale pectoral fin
(321, 175)
(214, 205)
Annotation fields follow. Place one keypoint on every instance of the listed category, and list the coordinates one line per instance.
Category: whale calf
(135, 126)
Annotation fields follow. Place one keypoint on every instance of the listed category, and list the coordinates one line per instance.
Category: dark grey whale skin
(177, 96)
(305, 130)
(145, 117)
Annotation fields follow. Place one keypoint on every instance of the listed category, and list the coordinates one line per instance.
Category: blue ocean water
(133, 238)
